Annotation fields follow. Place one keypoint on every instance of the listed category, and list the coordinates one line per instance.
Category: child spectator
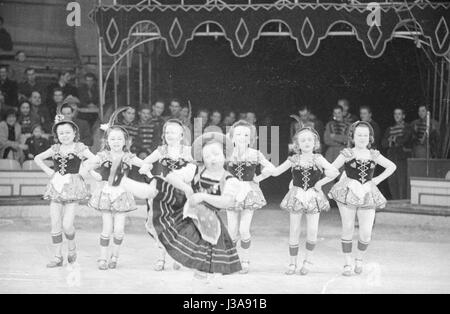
(27, 118)
(127, 121)
(36, 143)
(146, 133)
(10, 132)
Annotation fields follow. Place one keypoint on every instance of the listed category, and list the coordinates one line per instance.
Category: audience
(27, 119)
(62, 84)
(69, 111)
(41, 112)
(419, 127)
(366, 115)
(203, 115)
(307, 119)
(229, 120)
(146, 133)
(8, 87)
(56, 101)
(175, 109)
(251, 118)
(10, 134)
(397, 141)
(36, 143)
(6, 43)
(215, 122)
(30, 84)
(127, 121)
(348, 116)
(335, 136)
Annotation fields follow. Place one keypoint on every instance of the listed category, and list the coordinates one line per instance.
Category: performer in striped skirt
(185, 216)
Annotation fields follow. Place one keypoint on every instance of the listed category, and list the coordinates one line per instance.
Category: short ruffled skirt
(112, 199)
(68, 188)
(253, 200)
(299, 201)
(352, 193)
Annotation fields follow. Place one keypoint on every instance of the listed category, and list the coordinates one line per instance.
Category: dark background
(275, 79)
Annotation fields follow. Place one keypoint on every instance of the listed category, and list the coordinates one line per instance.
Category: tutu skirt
(352, 193)
(182, 239)
(298, 200)
(112, 199)
(253, 200)
(68, 188)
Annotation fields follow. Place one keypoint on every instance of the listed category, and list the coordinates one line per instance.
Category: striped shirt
(131, 129)
(397, 130)
(338, 127)
(149, 134)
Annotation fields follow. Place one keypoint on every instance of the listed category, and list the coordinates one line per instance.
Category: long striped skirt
(183, 241)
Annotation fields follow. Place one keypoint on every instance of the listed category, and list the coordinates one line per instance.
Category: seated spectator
(348, 116)
(5, 38)
(366, 115)
(19, 66)
(68, 110)
(145, 140)
(185, 117)
(8, 87)
(63, 83)
(251, 118)
(229, 120)
(127, 121)
(202, 117)
(36, 143)
(10, 132)
(88, 91)
(27, 119)
(335, 136)
(215, 122)
(419, 137)
(30, 84)
(242, 115)
(56, 101)
(2, 103)
(41, 112)
(307, 119)
(175, 109)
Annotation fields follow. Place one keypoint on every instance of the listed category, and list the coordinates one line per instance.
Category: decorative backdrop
(308, 23)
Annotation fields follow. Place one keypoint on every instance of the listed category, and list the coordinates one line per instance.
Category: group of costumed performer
(109, 166)
(66, 187)
(185, 215)
(171, 156)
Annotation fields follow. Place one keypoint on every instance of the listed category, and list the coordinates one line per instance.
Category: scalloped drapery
(308, 24)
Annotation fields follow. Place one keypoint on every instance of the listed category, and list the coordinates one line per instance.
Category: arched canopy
(242, 21)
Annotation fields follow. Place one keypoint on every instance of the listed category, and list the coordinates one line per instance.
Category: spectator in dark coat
(6, 43)
(365, 114)
(68, 109)
(56, 101)
(30, 84)
(41, 111)
(27, 118)
(63, 83)
(8, 87)
(36, 143)
(10, 133)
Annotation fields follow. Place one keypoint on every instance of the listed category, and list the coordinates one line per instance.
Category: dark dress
(355, 187)
(110, 197)
(181, 236)
(67, 185)
(302, 197)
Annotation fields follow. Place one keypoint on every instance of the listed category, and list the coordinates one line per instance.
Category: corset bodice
(305, 177)
(243, 170)
(105, 171)
(168, 164)
(66, 164)
(360, 170)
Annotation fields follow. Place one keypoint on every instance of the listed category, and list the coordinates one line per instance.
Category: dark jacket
(85, 132)
(9, 90)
